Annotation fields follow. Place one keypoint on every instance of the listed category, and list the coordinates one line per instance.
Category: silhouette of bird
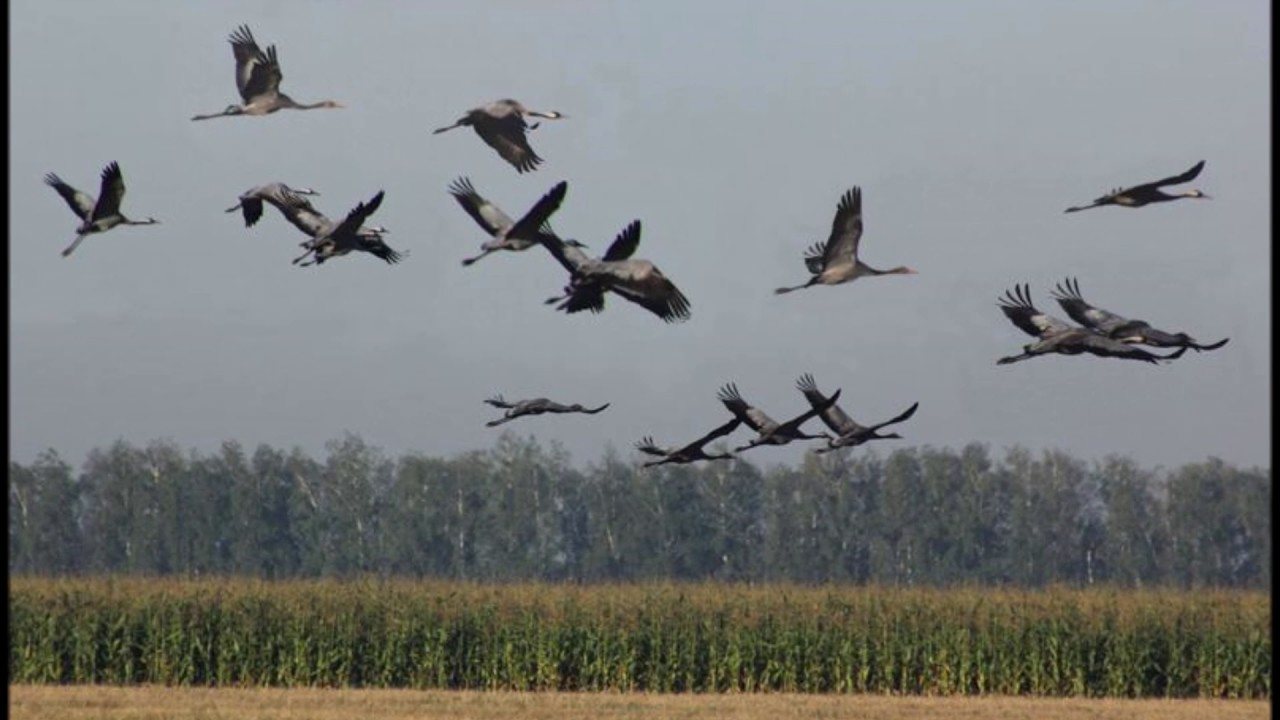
(328, 239)
(536, 406)
(848, 432)
(506, 234)
(692, 452)
(99, 216)
(250, 203)
(836, 261)
(771, 432)
(501, 124)
(1121, 328)
(258, 80)
(303, 215)
(636, 280)
(1147, 193)
(1055, 336)
(332, 239)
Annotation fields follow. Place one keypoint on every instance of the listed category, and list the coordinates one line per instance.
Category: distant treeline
(918, 516)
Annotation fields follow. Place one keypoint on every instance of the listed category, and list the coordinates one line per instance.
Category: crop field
(655, 638)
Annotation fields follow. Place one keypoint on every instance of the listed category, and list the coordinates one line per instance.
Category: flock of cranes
(1100, 332)
(502, 125)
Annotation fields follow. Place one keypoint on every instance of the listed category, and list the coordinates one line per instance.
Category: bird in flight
(692, 452)
(99, 216)
(1118, 327)
(258, 80)
(1057, 336)
(634, 279)
(836, 261)
(536, 406)
(250, 201)
(505, 233)
(770, 432)
(1148, 193)
(848, 432)
(501, 124)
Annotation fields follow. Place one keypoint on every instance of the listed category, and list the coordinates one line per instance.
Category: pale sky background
(730, 129)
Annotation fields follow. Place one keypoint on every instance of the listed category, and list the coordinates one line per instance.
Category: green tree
(1132, 552)
(122, 514)
(44, 534)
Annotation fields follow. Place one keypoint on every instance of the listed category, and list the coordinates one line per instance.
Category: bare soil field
(73, 702)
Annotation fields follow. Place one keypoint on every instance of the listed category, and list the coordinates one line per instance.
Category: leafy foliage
(920, 516)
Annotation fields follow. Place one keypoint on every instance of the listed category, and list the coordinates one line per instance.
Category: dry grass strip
(76, 702)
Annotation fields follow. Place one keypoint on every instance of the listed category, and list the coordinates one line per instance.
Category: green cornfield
(645, 637)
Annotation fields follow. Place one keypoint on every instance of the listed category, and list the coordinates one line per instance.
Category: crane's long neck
(868, 270)
(315, 105)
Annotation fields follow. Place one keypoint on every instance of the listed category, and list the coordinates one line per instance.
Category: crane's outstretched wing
(112, 191)
(646, 445)
(1068, 296)
(834, 417)
(719, 432)
(846, 229)
(299, 212)
(532, 222)
(507, 136)
(904, 415)
(351, 224)
(1187, 176)
(794, 423)
(625, 244)
(754, 417)
(652, 291)
(1018, 308)
(257, 72)
(486, 214)
(80, 203)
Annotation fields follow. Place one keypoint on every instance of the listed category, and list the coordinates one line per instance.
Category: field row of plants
(654, 637)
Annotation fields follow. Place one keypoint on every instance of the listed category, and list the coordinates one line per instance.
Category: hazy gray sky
(730, 129)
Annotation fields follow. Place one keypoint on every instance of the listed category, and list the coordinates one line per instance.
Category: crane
(258, 80)
(501, 124)
(836, 261)
(96, 216)
(1147, 193)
